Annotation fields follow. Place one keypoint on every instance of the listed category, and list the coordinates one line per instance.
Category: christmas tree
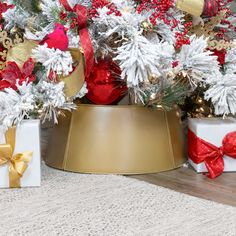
(162, 53)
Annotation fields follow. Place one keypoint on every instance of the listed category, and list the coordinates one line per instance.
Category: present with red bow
(212, 145)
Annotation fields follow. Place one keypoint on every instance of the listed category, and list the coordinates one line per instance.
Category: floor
(185, 180)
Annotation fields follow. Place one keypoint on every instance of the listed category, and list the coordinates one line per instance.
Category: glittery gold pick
(207, 30)
(7, 43)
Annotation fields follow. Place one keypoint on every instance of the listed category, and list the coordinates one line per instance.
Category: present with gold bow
(212, 145)
(20, 156)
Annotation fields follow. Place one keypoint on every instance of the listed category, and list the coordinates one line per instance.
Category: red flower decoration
(159, 9)
(13, 74)
(175, 64)
(4, 7)
(221, 54)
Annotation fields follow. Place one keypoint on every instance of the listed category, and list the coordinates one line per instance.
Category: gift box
(211, 145)
(20, 156)
(122, 139)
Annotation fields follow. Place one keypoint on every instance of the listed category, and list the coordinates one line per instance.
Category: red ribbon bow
(200, 150)
(86, 43)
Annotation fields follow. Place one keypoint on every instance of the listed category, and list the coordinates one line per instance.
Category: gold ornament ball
(205, 110)
(40, 111)
(202, 110)
(153, 96)
(147, 26)
(39, 6)
(159, 107)
(153, 79)
(178, 114)
(199, 100)
(15, 30)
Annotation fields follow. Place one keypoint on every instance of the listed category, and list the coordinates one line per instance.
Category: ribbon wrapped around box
(21, 52)
(212, 145)
(74, 82)
(118, 139)
(81, 12)
(20, 156)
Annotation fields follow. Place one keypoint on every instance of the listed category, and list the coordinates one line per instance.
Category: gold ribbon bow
(18, 163)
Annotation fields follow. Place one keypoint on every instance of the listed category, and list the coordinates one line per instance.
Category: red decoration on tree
(63, 15)
(58, 39)
(85, 40)
(13, 74)
(2, 59)
(182, 37)
(211, 8)
(104, 84)
(4, 7)
(159, 7)
(175, 64)
(96, 4)
(221, 56)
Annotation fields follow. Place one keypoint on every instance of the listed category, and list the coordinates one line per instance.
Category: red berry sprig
(160, 8)
(92, 12)
(224, 5)
(63, 15)
(182, 37)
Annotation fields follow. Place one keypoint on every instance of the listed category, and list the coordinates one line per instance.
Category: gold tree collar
(7, 43)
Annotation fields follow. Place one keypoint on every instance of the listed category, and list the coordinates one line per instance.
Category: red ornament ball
(2, 49)
(104, 84)
(211, 8)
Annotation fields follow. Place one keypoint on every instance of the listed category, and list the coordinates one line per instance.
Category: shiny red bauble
(2, 49)
(211, 8)
(104, 84)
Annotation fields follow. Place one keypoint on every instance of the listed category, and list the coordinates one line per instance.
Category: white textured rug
(73, 204)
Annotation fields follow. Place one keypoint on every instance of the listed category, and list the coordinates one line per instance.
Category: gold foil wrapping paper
(193, 7)
(116, 140)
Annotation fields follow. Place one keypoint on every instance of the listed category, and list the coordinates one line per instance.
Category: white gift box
(213, 130)
(27, 139)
